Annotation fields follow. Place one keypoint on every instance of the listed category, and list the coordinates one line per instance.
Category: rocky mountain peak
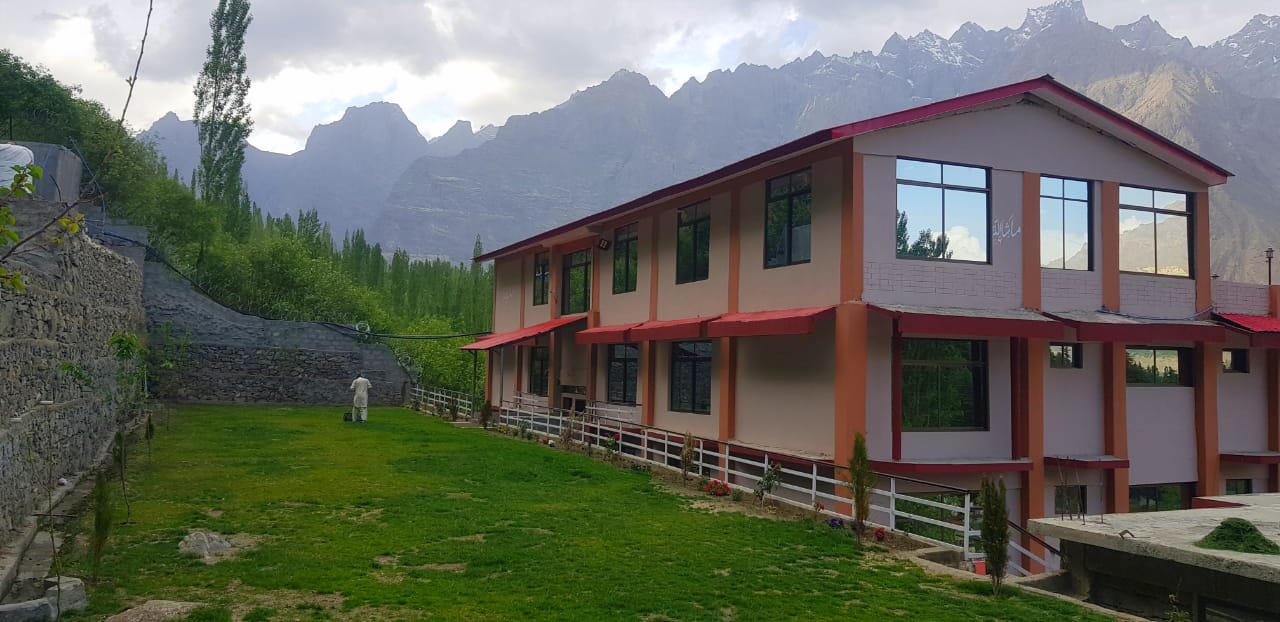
(367, 124)
(1060, 12)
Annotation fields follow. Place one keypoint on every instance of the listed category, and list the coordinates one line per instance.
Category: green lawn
(408, 518)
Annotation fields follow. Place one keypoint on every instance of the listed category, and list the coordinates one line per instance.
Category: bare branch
(141, 50)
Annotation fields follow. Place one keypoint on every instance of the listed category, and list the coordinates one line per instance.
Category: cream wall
(1162, 435)
(706, 426)
(890, 280)
(1157, 296)
(506, 284)
(1073, 407)
(879, 387)
(1242, 406)
(574, 361)
(631, 307)
(504, 386)
(995, 441)
(801, 285)
(708, 297)
(786, 390)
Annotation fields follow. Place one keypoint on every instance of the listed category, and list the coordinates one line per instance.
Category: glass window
(1159, 497)
(1065, 356)
(624, 368)
(691, 376)
(1235, 361)
(541, 277)
(693, 242)
(1154, 234)
(1158, 366)
(787, 217)
(575, 286)
(1070, 500)
(1064, 224)
(1239, 486)
(626, 258)
(944, 384)
(944, 211)
(538, 363)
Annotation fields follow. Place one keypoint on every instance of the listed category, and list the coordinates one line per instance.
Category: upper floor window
(541, 277)
(787, 219)
(1064, 224)
(575, 286)
(1154, 234)
(624, 368)
(626, 258)
(944, 211)
(691, 376)
(944, 384)
(693, 242)
(1158, 367)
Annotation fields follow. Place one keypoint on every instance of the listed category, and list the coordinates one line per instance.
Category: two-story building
(1011, 282)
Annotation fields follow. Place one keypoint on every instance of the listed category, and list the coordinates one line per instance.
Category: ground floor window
(691, 376)
(1157, 367)
(1239, 486)
(944, 384)
(624, 367)
(539, 358)
(1070, 500)
(1159, 497)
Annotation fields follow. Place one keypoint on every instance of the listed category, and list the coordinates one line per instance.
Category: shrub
(687, 455)
(486, 414)
(768, 482)
(861, 481)
(717, 488)
(995, 530)
(736, 495)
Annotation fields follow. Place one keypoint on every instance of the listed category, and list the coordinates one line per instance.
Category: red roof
(1045, 86)
(616, 333)
(671, 330)
(785, 322)
(510, 337)
(1263, 330)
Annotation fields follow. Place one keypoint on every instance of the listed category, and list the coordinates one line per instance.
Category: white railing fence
(439, 400)
(939, 514)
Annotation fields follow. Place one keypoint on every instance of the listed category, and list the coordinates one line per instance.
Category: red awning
(1251, 457)
(1098, 326)
(914, 320)
(617, 333)
(1100, 463)
(510, 337)
(1263, 330)
(760, 323)
(671, 330)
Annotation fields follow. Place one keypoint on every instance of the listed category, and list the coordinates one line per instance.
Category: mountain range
(624, 137)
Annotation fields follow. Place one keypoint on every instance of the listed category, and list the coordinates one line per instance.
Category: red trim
(913, 323)
(958, 467)
(911, 115)
(1144, 332)
(1084, 463)
(616, 333)
(895, 385)
(760, 323)
(1201, 503)
(510, 337)
(1251, 458)
(672, 330)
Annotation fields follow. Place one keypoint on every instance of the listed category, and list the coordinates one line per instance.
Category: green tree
(861, 480)
(995, 530)
(222, 110)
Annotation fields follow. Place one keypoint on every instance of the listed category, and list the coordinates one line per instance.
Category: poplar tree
(222, 112)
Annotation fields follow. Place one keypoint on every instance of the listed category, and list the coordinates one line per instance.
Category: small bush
(735, 494)
(1239, 535)
(687, 454)
(768, 482)
(717, 488)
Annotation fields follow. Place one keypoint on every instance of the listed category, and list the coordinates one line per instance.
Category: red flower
(821, 506)
(617, 437)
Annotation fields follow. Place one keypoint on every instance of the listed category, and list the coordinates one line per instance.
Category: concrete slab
(1172, 535)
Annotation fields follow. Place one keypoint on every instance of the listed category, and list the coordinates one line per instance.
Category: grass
(409, 518)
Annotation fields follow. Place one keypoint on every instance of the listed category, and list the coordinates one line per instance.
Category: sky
(486, 60)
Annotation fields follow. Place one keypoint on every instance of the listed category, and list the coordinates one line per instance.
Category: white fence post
(968, 513)
(893, 504)
(813, 483)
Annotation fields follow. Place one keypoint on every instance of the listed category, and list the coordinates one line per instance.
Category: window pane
(616, 375)
(702, 386)
(1137, 197)
(966, 222)
(801, 181)
(684, 254)
(1140, 366)
(779, 187)
(800, 218)
(702, 258)
(681, 386)
(1051, 233)
(937, 397)
(939, 350)
(921, 208)
(1167, 368)
(1050, 186)
(1172, 245)
(775, 233)
(1137, 241)
(919, 171)
(1175, 201)
(954, 175)
(1075, 224)
(1073, 189)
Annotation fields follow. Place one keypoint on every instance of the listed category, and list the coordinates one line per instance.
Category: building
(1014, 282)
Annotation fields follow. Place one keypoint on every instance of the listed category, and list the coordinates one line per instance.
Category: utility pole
(1270, 252)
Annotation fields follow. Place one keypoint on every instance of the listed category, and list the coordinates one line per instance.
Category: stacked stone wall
(77, 295)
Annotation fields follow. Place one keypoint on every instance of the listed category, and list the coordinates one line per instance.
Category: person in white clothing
(360, 412)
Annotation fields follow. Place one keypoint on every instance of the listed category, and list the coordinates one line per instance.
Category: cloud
(485, 60)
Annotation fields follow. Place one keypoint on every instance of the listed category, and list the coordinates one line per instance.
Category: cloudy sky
(485, 60)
